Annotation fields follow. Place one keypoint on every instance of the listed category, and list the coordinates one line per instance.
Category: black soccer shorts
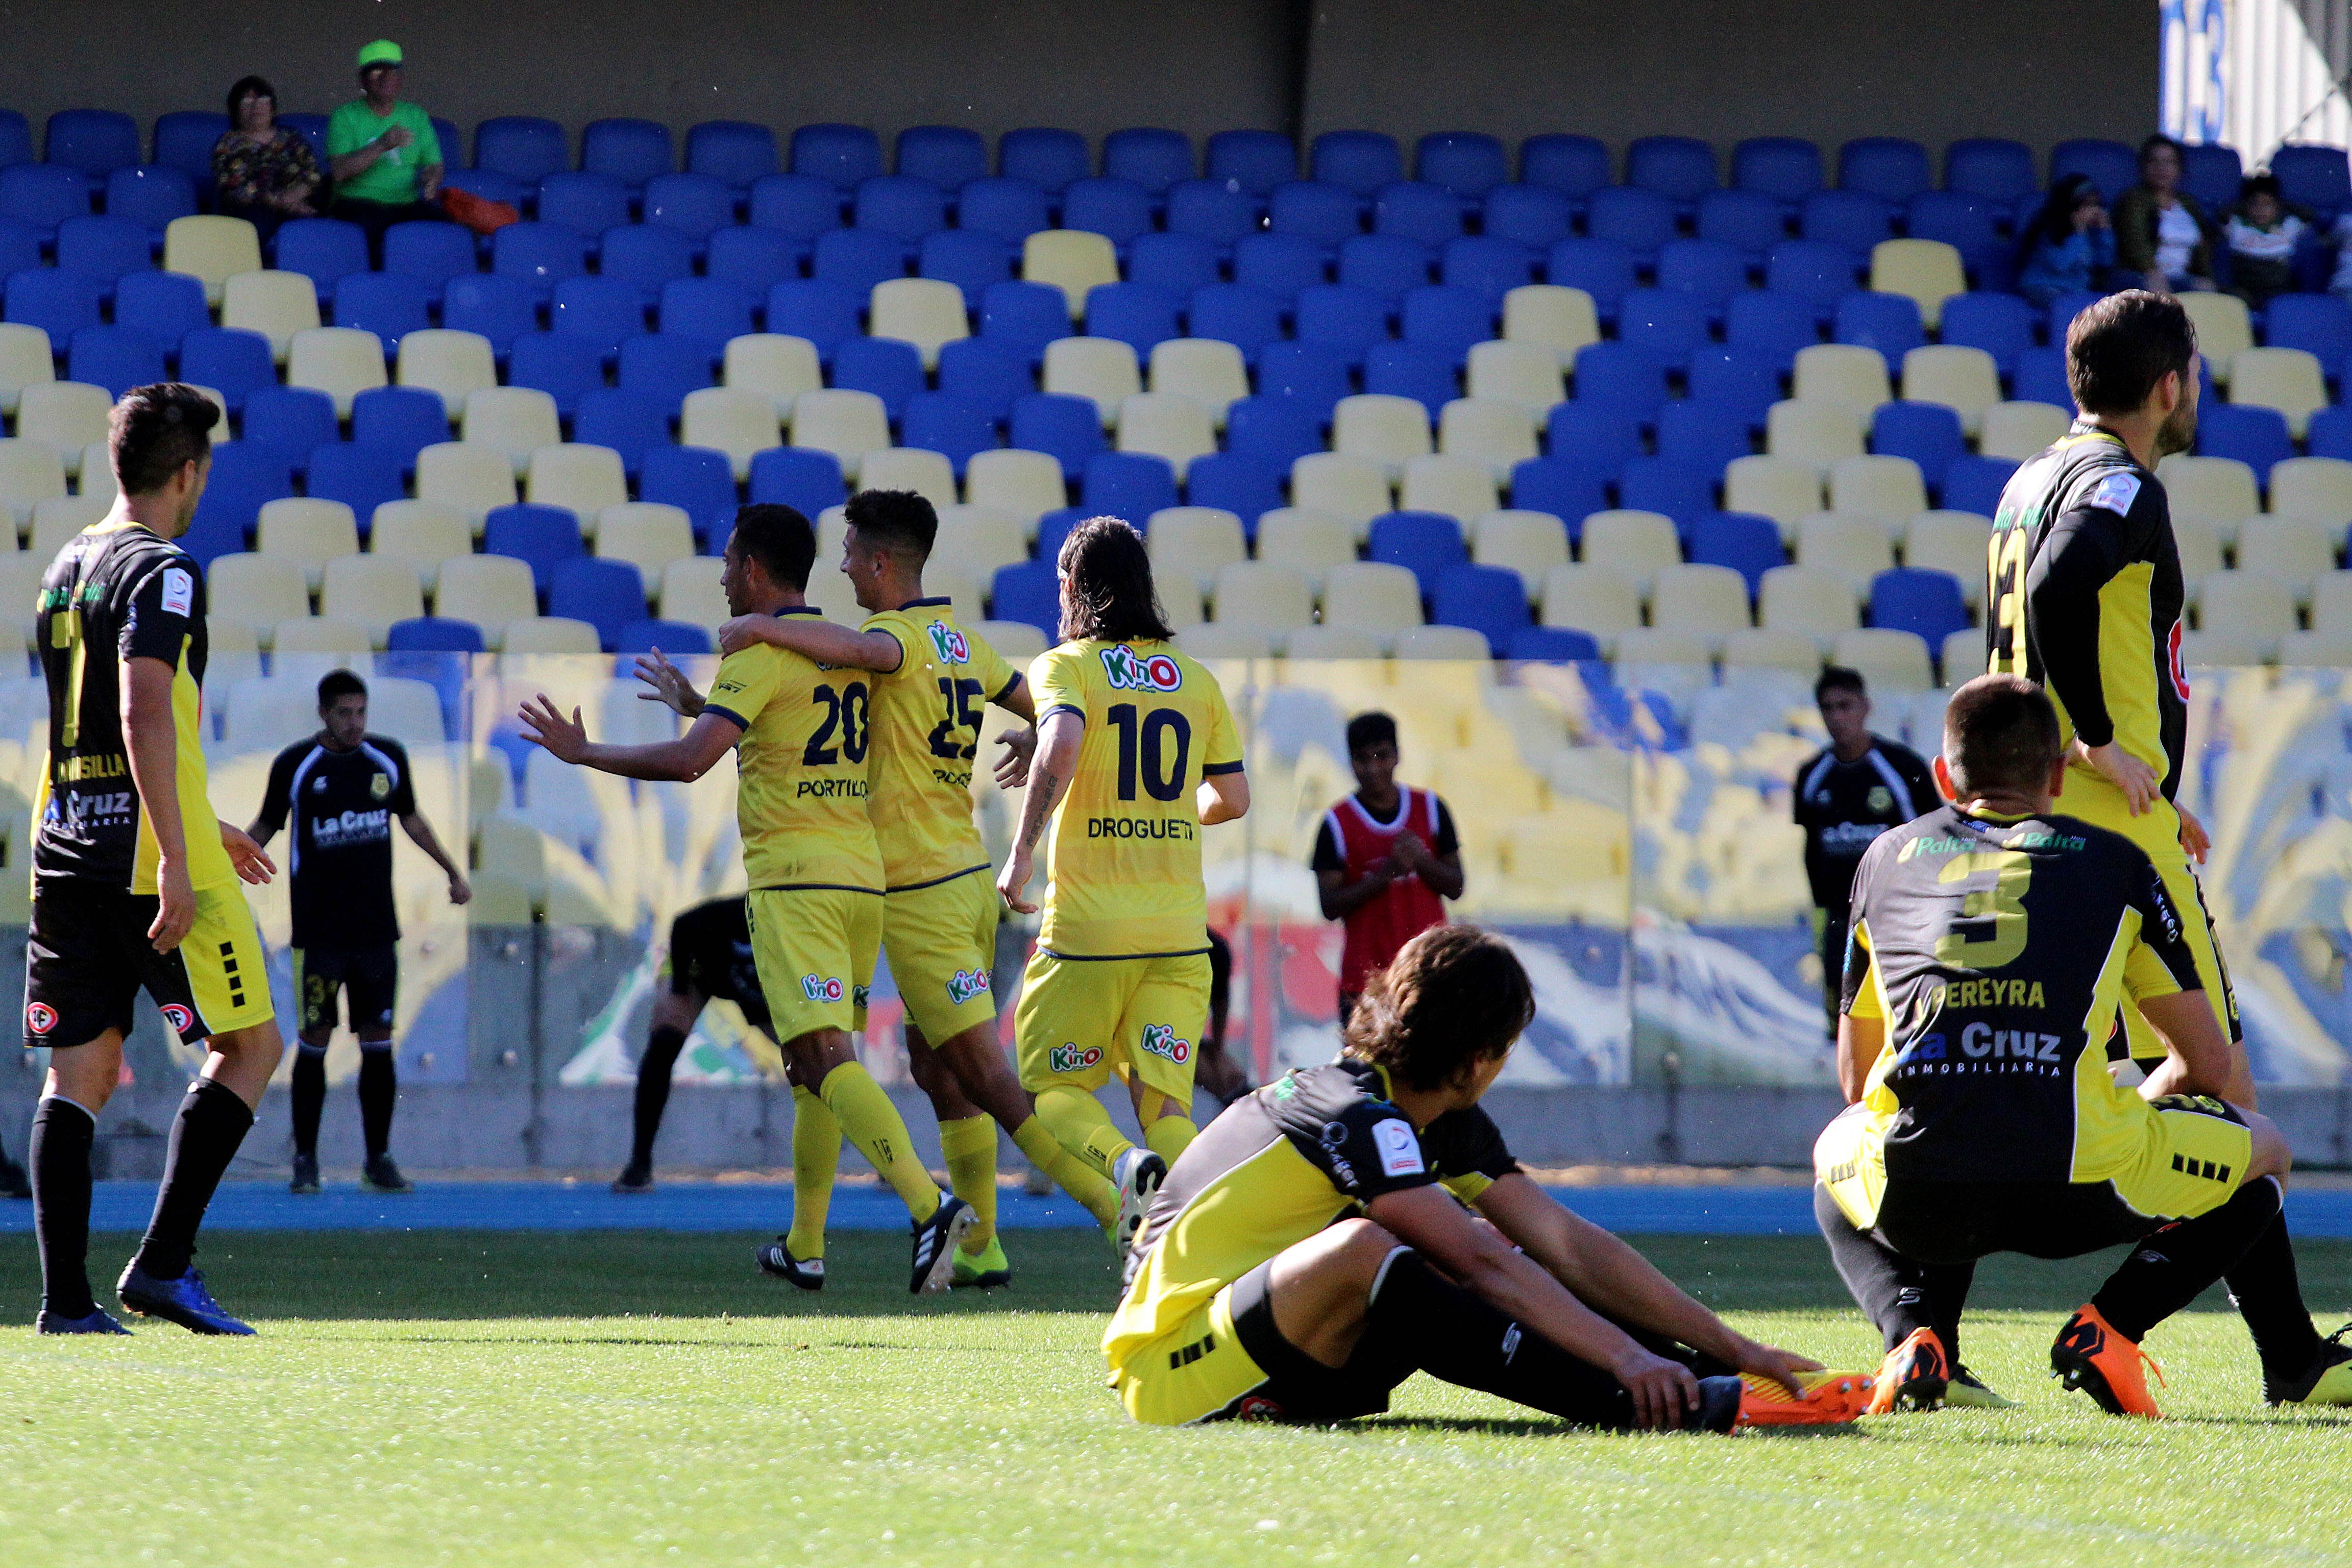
(87, 957)
(371, 975)
(710, 956)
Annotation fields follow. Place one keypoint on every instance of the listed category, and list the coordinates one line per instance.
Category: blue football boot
(185, 1301)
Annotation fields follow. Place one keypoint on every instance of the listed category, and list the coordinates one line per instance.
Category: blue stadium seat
(1427, 215)
(1046, 156)
(1849, 219)
(969, 260)
(1489, 600)
(676, 639)
(1141, 315)
(103, 248)
(2330, 434)
(1679, 168)
(165, 306)
(1426, 543)
(116, 358)
(602, 311)
(1218, 213)
(696, 206)
(520, 146)
(1117, 209)
(2254, 436)
(1887, 322)
(151, 196)
(708, 310)
(1602, 432)
(645, 258)
(802, 478)
(754, 259)
(1316, 210)
(2114, 166)
(1817, 273)
(1449, 319)
(1024, 317)
(1248, 486)
(1359, 162)
(1247, 318)
(60, 304)
(434, 634)
(2061, 314)
(43, 195)
(1310, 373)
(312, 127)
(1681, 490)
(586, 203)
(1068, 429)
(890, 370)
(1773, 324)
(825, 313)
(1748, 544)
(1735, 379)
(1602, 268)
(2211, 172)
(1554, 645)
(1970, 225)
(361, 477)
(1892, 168)
(1153, 158)
(954, 427)
(840, 155)
(324, 249)
(183, 140)
(15, 138)
(950, 156)
(1747, 221)
(1997, 170)
(20, 246)
(1709, 270)
(1132, 485)
(95, 140)
(2041, 377)
(544, 537)
(1575, 166)
(499, 309)
(1671, 324)
(562, 364)
(1178, 263)
(858, 258)
(244, 476)
(1282, 264)
(1030, 592)
(986, 376)
(231, 360)
(1387, 264)
(491, 186)
(1467, 162)
(1529, 213)
(1255, 161)
(436, 252)
(902, 207)
(733, 151)
(399, 420)
(799, 204)
(630, 423)
(1927, 433)
(1788, 169)
(1487, 265)
(1973, 483)
(1637, 219)
(1423, 372)
(608, 595)
(2002, 325)
(2319, 324)
(1010, 210)
(1710, 433)
(631, 151)
(536, 255)
(665, 367)
(388, 304)
(1571, 489)
(452, 140)
(698, 481)
(1910, 599)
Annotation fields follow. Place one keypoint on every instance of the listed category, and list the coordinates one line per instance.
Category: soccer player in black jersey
(134, 882)
(1310, 1249)
(343, 789)
(1993, 941)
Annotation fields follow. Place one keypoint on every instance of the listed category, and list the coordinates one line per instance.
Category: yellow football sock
(969, 1148)
(873, 1124)
(816, 1156)
(1082, 1126)
(1170, 1135)
(1066, 1171)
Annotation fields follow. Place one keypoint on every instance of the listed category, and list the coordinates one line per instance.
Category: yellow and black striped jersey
(927, 715)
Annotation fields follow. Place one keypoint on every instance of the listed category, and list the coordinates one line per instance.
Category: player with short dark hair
(134, 881)
(1993, 941)
(1311, 1249)
(343, 788)
(1386, 858)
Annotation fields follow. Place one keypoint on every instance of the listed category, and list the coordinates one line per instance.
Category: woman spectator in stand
(2164, 240)
(2068, 246)
(266, 174)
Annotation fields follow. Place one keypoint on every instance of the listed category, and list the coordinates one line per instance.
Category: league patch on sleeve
(1400, 1149)
(2116, 493)
(179, 592)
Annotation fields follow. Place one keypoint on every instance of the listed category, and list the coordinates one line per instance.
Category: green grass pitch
(626, 1398)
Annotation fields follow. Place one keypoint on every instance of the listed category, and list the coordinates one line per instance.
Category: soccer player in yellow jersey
(1135, 754)
(815, 903)
(931, 678)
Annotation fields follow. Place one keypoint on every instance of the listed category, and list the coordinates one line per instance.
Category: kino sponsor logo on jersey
(1071, 1058)
(822, 988)
(949, 644)
(966, 984)
(1127, 670)
(1159, 1041)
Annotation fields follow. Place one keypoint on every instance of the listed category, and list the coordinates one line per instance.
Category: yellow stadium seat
(1771, 649)
(1637, 545)
(2331, 602)
(649, 535)
(1453, 645)
(1221, 639)
(1309, 542)
(1017, 641)
(95, 478)
(2316, 650)
(421, 534)
(1073, 260)
(469, 478)
(235, 655)
(454, 363)
(2288, 380)
(2297, 551)
(1500, 434)
(1381, 427)
(1101, 370)
(1888, 659)
(1529, 543)
(1195, 542)
(516, 420)
(1353, 488)
(1461, 488)
(30, 471)
(2219, 490)
(1550, 316)
(1181, 600)
(1264, 594)
(1166, 425)
(56, 518)
(341, 642)
(1850, 373)
(212, 250)
(1850, 545)
(259, 590)
(1373, 597)
(2021, 430)
(977, 539)
(2251, 605)
(70, 416)
(1026, 484)
(1705, 601)
(1654, 647)
(1328, 642)
(2313, 487)
(1882, 486)
(738, 423)
(1525, 374)
(690, 592)
(1928, 270)
(845, 423)
(1591, 598)
(923, 312)
(2224, 650)
(24, 360)
(1808, 600)
(1960, 378)
(547, 634)
(928, 474)
(2199, 541)
(491, 591)
(276, 305)
(1208, 371)
(1963, 657)
(2224, 329)
(1822, 434)
(1782, 489)
(308, 531)
(371, 592)
(1951, 542)
(586, 478)
(776, 366)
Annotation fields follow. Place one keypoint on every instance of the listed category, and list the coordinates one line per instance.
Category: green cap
(382, 52)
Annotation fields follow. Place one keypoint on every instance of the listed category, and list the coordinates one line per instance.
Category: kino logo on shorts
(966, 984)
(1160, 1040)
(1068, 1058)
(821, 988)
(948, 644)
(1128, 671)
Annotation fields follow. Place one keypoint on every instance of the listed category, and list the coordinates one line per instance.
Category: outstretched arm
(686, 758)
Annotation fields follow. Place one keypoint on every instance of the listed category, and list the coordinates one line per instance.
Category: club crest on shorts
(1160, 1040)
(1127, 670)
(181, 1018)
(40, 1017)
(966, 984)
(949, 644)
(1070, 1058)
(822, 988)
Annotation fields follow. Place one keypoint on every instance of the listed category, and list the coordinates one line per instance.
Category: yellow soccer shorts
(2158, 831)
(1082, 1018)
(815, 949)
(1195, 1370)
(222, 955)
(2194, 1158)
(941, 939)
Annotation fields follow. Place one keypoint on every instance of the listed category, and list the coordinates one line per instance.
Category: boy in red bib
(1386, 858)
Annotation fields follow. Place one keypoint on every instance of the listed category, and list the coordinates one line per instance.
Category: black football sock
(204, 1137)
(2172, 1266)
(309, 1095)
(1419, 1318)
(2264, 1288)
(62, 1135)
(379, 1087)
(1947, 1285)
(1893, 1291)
(653, 1090)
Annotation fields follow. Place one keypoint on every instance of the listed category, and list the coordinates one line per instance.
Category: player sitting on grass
(1994, 940)
(1307, 1252)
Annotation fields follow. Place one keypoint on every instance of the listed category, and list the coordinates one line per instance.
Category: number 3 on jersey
(846, 712)
(2005, 557)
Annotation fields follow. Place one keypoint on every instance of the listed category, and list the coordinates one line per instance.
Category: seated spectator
(266, 174)
(2163, 238)
(2068, 246)
(386, 159)
(2262, 236)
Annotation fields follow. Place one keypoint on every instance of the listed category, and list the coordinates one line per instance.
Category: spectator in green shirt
(386, 157)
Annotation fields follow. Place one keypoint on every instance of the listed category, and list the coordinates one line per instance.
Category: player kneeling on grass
(1994, 940)
(1310, 1249)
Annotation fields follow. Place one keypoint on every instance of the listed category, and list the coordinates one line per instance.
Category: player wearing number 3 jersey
(1137, 751)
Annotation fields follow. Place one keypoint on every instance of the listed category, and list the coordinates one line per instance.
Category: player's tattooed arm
(828, 642)
(1049, 780)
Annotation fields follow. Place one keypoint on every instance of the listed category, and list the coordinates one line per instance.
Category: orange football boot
(2092, 1355)
(1913, 1376)
(1829, 1399)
